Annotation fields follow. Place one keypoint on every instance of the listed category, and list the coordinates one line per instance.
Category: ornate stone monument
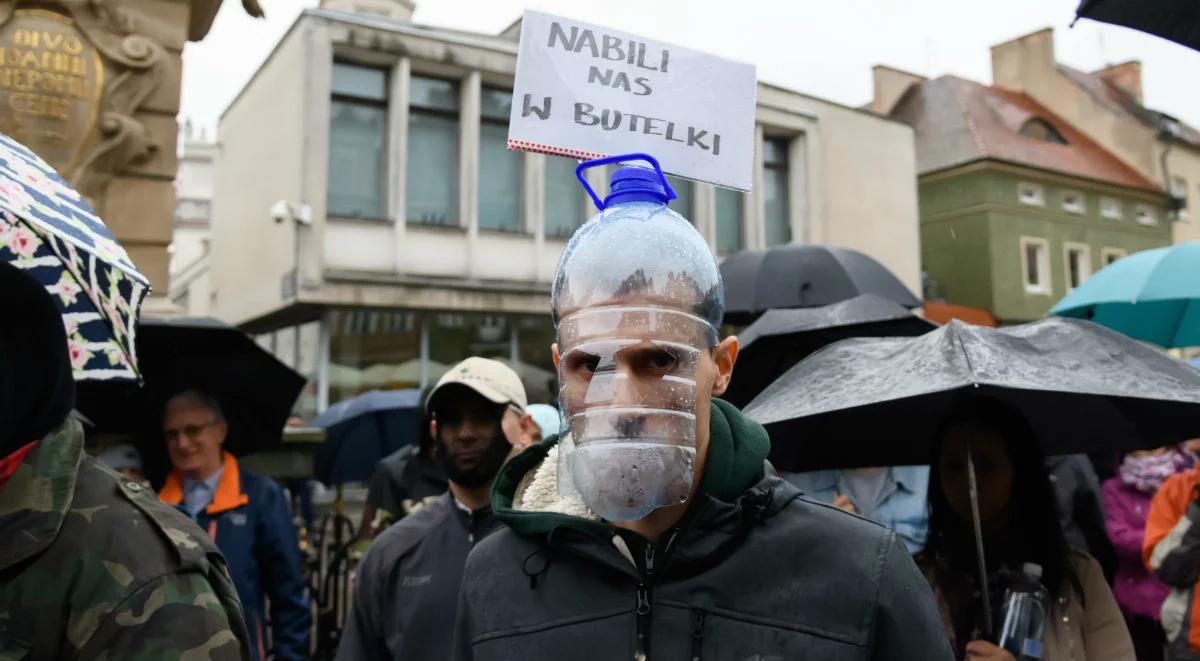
(93, 87)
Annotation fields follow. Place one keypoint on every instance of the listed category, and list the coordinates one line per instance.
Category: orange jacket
(1171, 549)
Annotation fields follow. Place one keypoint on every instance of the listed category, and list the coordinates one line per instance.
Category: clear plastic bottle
(1025, 606)
(637, 300)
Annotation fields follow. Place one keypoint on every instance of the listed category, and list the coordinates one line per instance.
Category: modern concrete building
(370, 226)
(1017, 206)
(1107, 106)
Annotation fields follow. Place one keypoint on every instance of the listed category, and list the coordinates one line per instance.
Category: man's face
(466, 426)
(644, 360)
(194, 437)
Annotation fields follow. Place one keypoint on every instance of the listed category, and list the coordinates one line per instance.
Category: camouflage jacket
(94, 566)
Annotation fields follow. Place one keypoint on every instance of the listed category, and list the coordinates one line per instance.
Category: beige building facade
(370, 226)
(1108, 106)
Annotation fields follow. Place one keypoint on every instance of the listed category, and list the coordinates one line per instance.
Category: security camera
(281, 212)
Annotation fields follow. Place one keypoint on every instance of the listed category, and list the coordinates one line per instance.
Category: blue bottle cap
(630, 184)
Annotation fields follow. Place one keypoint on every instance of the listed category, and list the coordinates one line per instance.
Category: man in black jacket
(406, 589)
(653, 528)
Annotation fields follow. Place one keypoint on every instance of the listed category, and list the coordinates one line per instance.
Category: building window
(1072, 202)
(1077, 259)
(777, 226)
(1144, 215)
(682, 204)
(1039, 129)
(1111, 208)
(499, 167)
(357, 142)
(1035, 265)
(564, 197)
(1031, 194)
(729, 221)
(431, 169)
(454, 336)
(373, 349)
(1110, 255)
(1179, 192)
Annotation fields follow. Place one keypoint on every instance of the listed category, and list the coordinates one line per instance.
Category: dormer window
(1039, 129)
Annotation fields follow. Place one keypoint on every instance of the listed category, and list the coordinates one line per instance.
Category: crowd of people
(652, 526)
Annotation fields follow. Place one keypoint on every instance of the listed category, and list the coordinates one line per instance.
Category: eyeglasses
(190, 431)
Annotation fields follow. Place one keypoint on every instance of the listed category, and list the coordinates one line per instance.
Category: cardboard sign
(585, 91)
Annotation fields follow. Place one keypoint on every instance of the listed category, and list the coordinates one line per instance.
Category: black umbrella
(882, 401)
(1176, 20)
(782, 338)
(795, 276)
(255, 390)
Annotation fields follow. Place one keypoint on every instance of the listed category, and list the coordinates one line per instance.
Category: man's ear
(554, 354)
(529, 429)
(435, 448)
(724, 356)
(223, 429)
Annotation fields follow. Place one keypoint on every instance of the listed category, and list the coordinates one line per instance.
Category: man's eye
(662, 360)
(582, 362)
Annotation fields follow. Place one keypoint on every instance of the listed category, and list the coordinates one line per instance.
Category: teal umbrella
(1152, 296)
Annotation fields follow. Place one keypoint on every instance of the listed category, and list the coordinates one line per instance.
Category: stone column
(93, 88)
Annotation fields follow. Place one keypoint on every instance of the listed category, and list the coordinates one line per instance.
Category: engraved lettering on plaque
(51, 79)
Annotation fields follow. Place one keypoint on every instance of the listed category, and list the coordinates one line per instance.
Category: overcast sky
(824, 48)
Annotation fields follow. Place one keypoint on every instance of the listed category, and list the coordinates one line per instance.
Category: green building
(1016, 206)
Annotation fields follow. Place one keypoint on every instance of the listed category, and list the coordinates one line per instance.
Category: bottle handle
(621, 158)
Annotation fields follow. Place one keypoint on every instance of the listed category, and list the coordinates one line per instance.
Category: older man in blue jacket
(247, 516)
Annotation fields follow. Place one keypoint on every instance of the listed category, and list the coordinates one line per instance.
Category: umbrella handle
(978, 530)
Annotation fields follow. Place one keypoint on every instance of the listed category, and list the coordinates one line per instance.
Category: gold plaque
(51, 81)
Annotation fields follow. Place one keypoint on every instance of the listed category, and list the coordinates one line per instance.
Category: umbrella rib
(967, 357)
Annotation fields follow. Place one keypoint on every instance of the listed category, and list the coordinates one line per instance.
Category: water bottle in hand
(1025, 607)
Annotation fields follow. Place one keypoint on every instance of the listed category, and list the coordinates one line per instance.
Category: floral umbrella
(49, 231)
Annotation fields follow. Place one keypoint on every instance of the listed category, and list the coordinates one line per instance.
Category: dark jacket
(406, 590)
(753, 571)
(93, 566)
(402, 482)
(249, 521)
(1081, 509)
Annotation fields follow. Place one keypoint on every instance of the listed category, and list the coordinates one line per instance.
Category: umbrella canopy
(882, 401)
(255, 390)
(1153, 295)
(796, 276)
(782, 338)
(1176, 20)
(49, 231)
(362, 430)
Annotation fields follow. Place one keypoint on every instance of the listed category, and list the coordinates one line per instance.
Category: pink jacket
(1138, 592)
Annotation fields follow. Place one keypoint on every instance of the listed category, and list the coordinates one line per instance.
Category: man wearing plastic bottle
(653, 528)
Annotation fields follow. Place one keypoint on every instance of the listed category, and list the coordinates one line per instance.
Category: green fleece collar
(737, 447)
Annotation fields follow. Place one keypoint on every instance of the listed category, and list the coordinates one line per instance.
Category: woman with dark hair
(1019, 523)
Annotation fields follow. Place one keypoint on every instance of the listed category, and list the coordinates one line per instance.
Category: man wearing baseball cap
(407, 585)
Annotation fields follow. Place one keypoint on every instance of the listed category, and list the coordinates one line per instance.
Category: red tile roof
(958, 121)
